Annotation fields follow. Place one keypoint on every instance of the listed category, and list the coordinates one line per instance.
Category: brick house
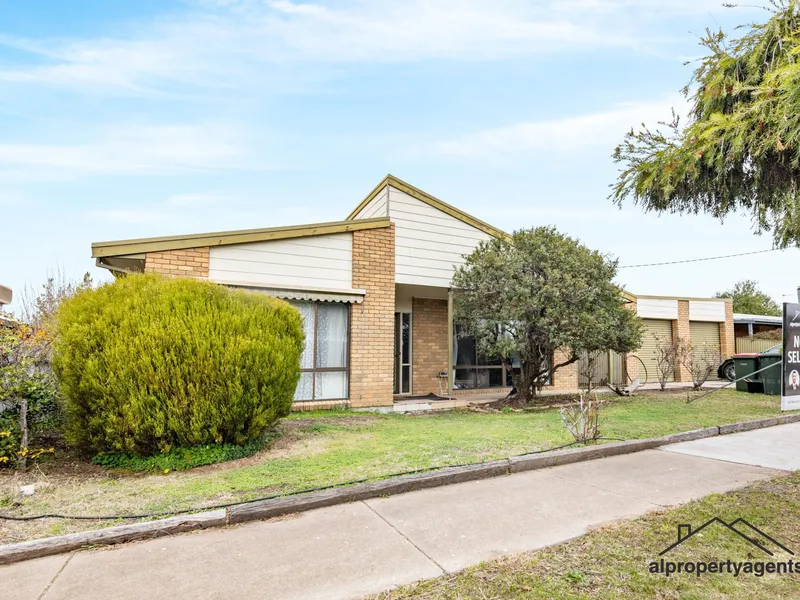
(374, 291)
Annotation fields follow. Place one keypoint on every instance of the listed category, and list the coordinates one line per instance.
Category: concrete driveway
(355, 549)
(773, 447)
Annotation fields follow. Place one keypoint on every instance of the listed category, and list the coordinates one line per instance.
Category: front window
(472, 370)
(325, 362)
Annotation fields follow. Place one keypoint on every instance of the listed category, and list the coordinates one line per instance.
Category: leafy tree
(545, 298)
(740, 148)
(747, 298)
(699, 360)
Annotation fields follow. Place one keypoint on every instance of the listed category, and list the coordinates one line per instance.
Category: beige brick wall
(632, 365)
(192, 262)
(372, 329)
(428, 344)
(727, 343)
(680, 332)
(565, 378)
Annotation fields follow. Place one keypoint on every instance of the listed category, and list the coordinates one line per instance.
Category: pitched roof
(429, 200)
(224, 238)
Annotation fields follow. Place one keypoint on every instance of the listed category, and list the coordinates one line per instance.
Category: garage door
(705, 334)
(653, 329)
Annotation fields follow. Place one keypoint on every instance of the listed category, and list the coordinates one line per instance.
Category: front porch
(410, 404)
(434, 365)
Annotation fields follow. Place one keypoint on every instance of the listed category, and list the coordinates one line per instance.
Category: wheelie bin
(745, 364)
(772, 376)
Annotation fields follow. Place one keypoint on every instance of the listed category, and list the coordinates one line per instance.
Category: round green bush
(149, 363)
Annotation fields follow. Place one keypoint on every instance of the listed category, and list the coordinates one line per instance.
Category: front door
(402, 353)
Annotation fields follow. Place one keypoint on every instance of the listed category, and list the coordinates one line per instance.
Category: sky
(137, 119)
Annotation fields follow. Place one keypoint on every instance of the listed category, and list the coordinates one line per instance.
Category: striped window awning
(352, 296)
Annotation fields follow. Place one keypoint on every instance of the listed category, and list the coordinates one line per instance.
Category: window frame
(506, 380)
(476, 367)
(314, 369)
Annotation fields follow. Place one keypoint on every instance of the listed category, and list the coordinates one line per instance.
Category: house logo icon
(739, 527)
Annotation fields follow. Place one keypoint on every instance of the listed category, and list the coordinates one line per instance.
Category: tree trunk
(22, 458)
(526, 381)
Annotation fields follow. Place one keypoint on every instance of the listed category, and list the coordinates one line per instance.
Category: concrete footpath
(365, 547)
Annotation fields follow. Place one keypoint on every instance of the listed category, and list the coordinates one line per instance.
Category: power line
(690, 260)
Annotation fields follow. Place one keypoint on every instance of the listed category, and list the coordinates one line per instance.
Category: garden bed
(317, 449)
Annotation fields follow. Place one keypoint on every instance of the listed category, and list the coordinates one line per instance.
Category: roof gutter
(223, 238)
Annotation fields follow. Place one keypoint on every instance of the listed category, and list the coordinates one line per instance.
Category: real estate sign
(790, 382)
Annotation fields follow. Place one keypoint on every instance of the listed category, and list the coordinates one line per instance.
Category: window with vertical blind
(325, 362)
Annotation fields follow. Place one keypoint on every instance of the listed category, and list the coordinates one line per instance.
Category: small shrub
(147, 364)
(182, 459)
(668, 356)
(700, 361)
(28, 404)
(12, 452)
(582, 419)
(771, 334)
(9, 441)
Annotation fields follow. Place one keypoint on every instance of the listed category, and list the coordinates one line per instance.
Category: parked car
(727, 371)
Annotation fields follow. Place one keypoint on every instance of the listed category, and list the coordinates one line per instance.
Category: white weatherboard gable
(377, 207)
(429, 243)
(316, 262)
(657, 308)
(707, 310)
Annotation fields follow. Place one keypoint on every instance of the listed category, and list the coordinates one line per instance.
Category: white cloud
(10, 198)
(185, 200)
(562, 135)
(129, 215)
(228, 43)
(131, 149)
(170, 210)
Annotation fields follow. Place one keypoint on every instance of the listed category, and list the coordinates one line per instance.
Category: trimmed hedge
(149, 363)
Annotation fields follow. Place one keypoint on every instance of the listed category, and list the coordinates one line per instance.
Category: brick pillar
(727, 342)
(631, 365)
(565, 378)
(192, 262)
(372, 323)
(680, 333)
(428, 344)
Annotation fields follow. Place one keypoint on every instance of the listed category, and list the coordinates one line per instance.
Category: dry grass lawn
(318, 449)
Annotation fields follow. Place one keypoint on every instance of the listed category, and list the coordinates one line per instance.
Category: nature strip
(275, 507)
